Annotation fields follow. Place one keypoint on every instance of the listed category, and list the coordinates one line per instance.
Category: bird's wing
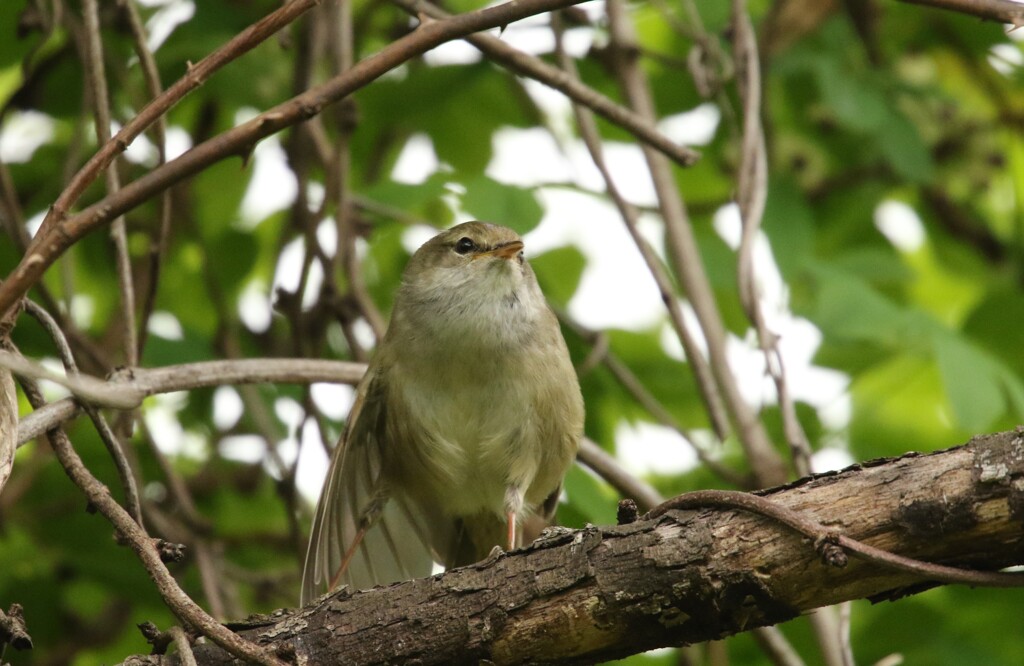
(394, 547)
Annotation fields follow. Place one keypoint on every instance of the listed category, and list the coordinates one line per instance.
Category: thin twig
(89, 389)
(237, 46)
(145, 548)
(176, 486)
(535, 68)
(752, 193)
(752, 189)
(705, 381)
(1003, 11)
(845, 614)
(158, 245)
(240, 139)
(11, 216)
(114, 445)
(201, 551)
(101, 105)
(609, 469)
(682, 246)
(181, 639)
(774, 643)
(825, 624)
(211, 577)
(346, 260)
(635, 387)
(8, 426)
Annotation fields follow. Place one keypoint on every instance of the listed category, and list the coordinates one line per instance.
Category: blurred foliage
(865, 103)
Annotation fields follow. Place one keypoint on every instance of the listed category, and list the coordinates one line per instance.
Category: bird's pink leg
(513, 505)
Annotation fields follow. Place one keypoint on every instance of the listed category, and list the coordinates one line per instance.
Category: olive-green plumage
(469, 412)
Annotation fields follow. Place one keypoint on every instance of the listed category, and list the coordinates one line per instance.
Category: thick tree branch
(686, 576)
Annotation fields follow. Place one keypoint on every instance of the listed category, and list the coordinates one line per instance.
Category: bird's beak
(507, 250)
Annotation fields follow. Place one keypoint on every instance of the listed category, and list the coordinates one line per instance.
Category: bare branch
(138, 383)
(774, 644)
(158, 245)
(682, 246)
(97, 79)
(629, 381)
(90, 389)
(146, 549)
(346, 260)
(237, 46)
(702, 372)
(1003, 11)
(12, 219)
(609, 469)
(114, 445)
(535, 68)
(752, 193)
(240, 139)
(181, 639)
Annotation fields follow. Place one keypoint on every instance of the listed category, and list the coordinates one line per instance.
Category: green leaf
(904, 149)
(458, 106)
(233, 254)
(899, 405)
(559, 272)
(850, 309)
(789, 224)
(218, 191)
(991, 322)
(423, 200)
(490, 201)
(973, 389)
(590, 500)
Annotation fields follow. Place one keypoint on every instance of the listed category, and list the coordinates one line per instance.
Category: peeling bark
(580, 596)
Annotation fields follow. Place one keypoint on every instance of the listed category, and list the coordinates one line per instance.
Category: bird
(463, 428)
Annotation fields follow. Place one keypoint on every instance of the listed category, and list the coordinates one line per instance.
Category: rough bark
(604, 592)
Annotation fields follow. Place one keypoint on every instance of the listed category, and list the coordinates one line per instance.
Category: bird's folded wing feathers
(396, 545)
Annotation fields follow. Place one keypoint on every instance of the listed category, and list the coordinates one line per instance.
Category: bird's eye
(465, 245)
